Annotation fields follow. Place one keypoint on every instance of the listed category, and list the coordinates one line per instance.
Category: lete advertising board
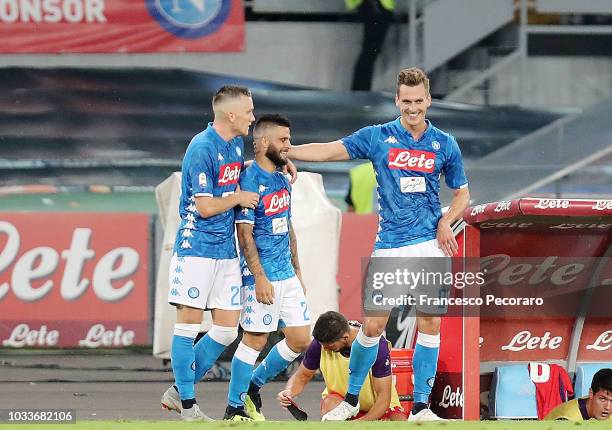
(121, 26)
(74, 280)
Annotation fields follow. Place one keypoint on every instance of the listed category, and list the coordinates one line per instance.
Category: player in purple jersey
(204, 270)
(409, 156)
(275, 296)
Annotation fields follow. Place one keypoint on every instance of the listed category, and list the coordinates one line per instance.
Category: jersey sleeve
(247, 183)
(382, 365)
(454, 174)
(200, 169)
(312, 358)
(359, 144)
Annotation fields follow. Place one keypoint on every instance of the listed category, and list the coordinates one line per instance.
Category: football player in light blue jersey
(274, 297)
(409, 156)
(204, 270)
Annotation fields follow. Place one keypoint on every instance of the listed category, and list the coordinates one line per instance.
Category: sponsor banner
(447, 395)
(121, 26)
(65, 277)
(532, 209)
(82, 334)
(525, 339)
(596, 340)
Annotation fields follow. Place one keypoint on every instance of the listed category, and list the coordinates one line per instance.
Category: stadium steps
(134, 124)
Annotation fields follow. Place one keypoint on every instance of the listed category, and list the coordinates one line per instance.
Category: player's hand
(446, 238)
(284, 398)
(292, 170)
(264, 291)
(247, 199)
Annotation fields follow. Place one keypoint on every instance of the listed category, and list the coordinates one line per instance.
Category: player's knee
(373, 329)
(299, 345)
(429, 324)
(256, 341)
(223, 335)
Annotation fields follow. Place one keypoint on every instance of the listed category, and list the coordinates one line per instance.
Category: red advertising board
(74, 279)
(121, 26)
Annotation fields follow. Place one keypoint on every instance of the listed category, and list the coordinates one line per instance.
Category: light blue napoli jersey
(408, 177)
(211, 167)
(271, 220)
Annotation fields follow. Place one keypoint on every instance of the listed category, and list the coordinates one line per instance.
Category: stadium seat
(513, 394)
(584, 377)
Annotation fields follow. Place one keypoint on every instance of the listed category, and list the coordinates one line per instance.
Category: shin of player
(274, 294)
(205, 270)
(409, 156)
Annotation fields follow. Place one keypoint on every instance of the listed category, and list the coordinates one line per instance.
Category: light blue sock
(363, 355)
(425, 363)
(242, 370)
(183, 359)
(208, 350)
(277, 360)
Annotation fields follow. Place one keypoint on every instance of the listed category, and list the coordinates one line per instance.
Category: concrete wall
(553, 82)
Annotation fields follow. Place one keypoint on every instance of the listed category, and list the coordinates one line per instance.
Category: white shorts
(288, 310)
(429, 249)
(423, 249)
(205, 283)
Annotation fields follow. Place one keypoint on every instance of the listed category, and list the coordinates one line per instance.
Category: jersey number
(305, 309)
(235, 299)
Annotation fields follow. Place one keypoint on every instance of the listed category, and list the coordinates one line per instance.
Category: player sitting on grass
(329, 352)
(597, 406)
(276, 297)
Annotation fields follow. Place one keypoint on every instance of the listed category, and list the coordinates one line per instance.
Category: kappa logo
(391, 140)
(190, 19)
(174, 292)
(220, 157)
(262, 188)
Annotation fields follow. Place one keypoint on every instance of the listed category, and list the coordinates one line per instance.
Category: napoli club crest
(190, 19)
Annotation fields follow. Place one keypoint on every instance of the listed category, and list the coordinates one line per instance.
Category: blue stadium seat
(584, 377)
(513, 394)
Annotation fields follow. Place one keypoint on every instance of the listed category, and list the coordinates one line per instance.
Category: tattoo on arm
(249, 249)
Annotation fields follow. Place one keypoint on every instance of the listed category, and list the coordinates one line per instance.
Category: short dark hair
(230, 91)
(330, 327)
(272, 118)
(602, 380)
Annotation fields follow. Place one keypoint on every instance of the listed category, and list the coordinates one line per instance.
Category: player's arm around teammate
(409, 156)
(277, 297)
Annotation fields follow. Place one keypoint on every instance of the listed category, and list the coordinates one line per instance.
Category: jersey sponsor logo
(279, 225)
(229, 174)
(277, 202)
(525, 340)
(410, 159)
(603, 342)
(412, 184)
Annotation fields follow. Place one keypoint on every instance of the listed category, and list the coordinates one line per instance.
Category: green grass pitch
(284, 425)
